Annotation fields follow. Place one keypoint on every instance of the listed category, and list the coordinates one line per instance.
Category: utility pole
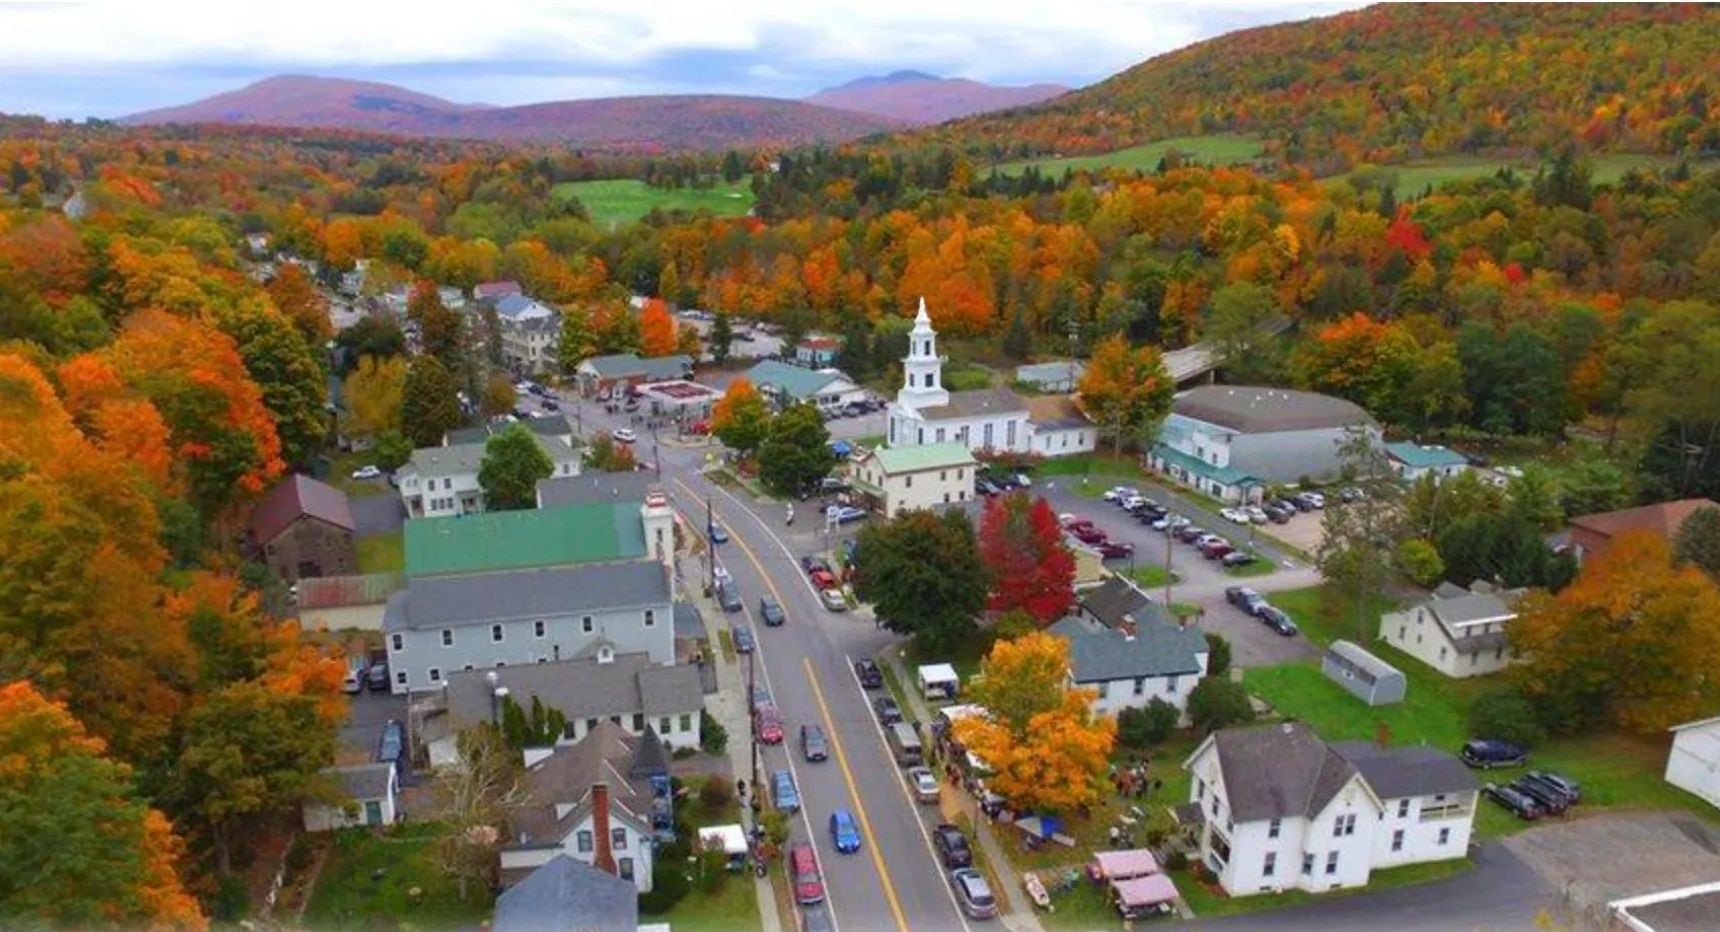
(1169, 533)
(710, 551)
(752, 679)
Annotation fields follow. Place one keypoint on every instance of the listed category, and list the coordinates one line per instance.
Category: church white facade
(925, 412)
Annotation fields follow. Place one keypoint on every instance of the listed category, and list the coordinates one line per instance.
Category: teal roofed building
(785, 384)
(1411, 461)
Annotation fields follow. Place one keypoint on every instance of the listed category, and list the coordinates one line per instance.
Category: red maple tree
(1022, 547)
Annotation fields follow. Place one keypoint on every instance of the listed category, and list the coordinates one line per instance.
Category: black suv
(1275, 618)
(888, 712)
(870, 676)
(1554, 793)
(1487, 754)
(1515, 802)
(771, 612)
(1244, 598)
(952, 846)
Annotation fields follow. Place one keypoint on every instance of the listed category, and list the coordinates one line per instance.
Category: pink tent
(1121, 865)
(1141, 892)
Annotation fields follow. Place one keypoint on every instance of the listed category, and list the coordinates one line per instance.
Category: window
(686, 722)
(1402, 632)
(1140, 685)
(590, 723)
(1274, 827)
(1444, 835)
(467, 667)
(1343, 825)
(1012, 435)
(585, 624)
(1403, 808)
(1199, 788)
(946, 498)
(570, 731)
(908, 481)
(1171, 684)
(1215, 805)
(663, 725)
(618, 839)
(959, 474)
(584, 841)
(1270, 867)
(1397, 840)
(400, 678)
(1307, 864)
(940, 435)
(397, 642)
(496, 633)
(537, 629)
(639, 721)
(650, 618)
(1331, 863)
(943, 475)
(435, 674)
(987, 433)
(1442, 653)
(447, 637)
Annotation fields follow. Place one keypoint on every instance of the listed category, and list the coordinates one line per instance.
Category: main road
(894, 883)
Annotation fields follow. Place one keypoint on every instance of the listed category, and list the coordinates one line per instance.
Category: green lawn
(382, 553)
(1152, 576)
(1211, 902)
(1260, 567)
(966, 377)
(1415, 177)
(366, 884)
(1324, 616)
(1217, 150)
(623, 201)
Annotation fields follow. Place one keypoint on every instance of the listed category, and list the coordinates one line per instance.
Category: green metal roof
(1225, 475)
(1417, 456)
(798, 382)
(506, 540)
(897, 460)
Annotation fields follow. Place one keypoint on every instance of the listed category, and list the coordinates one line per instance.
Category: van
(905, 744)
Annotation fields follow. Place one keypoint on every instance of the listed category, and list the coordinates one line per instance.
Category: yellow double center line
(830, 731)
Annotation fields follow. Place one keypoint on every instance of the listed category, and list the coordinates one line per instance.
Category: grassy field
(1098, 463)
(966, 377)
(1323, 616)
(1152, 576)
(1260, 567)
(1211, 903)
(1415, 177)
(622, 201)
(1217, 150)
(366, 884)
(382, 553)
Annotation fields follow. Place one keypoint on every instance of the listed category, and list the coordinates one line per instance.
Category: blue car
(718, 535)
(844, 832)
(783, 795)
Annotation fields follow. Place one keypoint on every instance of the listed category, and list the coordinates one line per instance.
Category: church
(925, 412)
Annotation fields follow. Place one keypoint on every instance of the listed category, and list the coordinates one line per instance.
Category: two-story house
(604, 800)
(898, 479)
(1459, 632)
(530, 332)
(443, 481)
(1283, 810)
(1230, 441)
(1130, 666)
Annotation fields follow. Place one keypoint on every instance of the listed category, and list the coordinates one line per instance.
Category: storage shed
(1369, 678)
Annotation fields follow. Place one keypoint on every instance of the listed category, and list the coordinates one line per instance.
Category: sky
(108, 58)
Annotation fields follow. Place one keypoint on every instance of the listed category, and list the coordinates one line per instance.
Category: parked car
(1073, 522)
(771, 611)
(887, 711)
(833, 599)
(376, 678)
(718, 534)
(1552, 801)
(1565, 786)
(802, 865)
(813, 745)
(624, 434)
(1215, 548)
(729, 595)
(823, 579)
(866, 670)
(783, 793)
(391, 745)
(1119, 494)
(1280, 512)
(1115, 549)
(1487, 754)
(1237, 558)
(1235, 515)
(1314, 499)
(984, 486)
(1133, 503)
(1089, 535)
(842, 514)
(767, 721)
(844, 832)
(924, 783)
(354, 682)
(1277, 619)
(1351, 494)
(1256, 514)
(699, 428)
(1244, 598)
(367, 472)
(1516, 803)
(814, 564)
(973, 893)
(550, 404)
(758, 694)
(951, 846)
(1189, 533)
(743, 638)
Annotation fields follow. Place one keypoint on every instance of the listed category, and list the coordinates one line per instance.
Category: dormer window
(606, 654)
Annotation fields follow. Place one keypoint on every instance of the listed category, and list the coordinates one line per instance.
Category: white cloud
(634, 45)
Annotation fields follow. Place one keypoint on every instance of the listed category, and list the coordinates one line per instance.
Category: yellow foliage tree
(374, 393)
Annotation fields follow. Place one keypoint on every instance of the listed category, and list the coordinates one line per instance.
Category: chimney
(1383, 734)
(602, 857)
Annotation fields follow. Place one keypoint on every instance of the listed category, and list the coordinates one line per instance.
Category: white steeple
(923, 368)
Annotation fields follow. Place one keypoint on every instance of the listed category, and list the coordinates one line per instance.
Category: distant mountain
(917, 97)
(615, 123)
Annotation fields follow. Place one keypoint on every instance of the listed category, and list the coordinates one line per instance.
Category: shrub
(1506, 715)
(713, 737)
(231, 901)
(1217, 654)
(716, 793)
(668, 886)
(1141, 728)
(1218, 703)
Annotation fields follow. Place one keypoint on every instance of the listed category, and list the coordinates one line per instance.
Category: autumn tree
(1632, 643)
(606, 455)
(1046, 746)
(289, 373)
(79, 848)
(1126, 390)
(442, 332)
(575, 343)
(370, 336)
(512, 465)
(795, 453)
(922, 574)
(1030, 566)
(430, 402)
(477, 801)
(1698, 541)
(498, 396)
(373, 394)
(297, 296)
(741, 419)
(656, 329)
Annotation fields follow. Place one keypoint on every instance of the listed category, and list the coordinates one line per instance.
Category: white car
(1235, 515)
(367, 472)
(1133, 502)
(623, 435)
(1257, 515)
(1116, 493)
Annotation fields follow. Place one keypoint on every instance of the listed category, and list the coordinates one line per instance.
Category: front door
(372, 812)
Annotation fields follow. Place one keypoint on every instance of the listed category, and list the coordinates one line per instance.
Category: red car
(768, 723)
(1213, 549)
(1071, 523)
(1089, 534)
(823, 579)
(1113, 549)
(699, 427)
(802, 866)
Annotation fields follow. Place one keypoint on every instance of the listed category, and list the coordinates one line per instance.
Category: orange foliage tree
(656, 328)
(297, 297)
(1047, 747)
(1125, 389)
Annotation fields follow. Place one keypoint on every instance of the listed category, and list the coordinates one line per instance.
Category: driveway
(367, 713)
(1592, 860)
(1502, 894)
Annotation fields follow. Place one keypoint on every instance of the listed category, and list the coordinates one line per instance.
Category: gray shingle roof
(581, 689)
(1279, 771)
(1116, 600)
(364, 781)
(481, 598)
(593, 487)
(1394, 773)
(459, 458)
(975, 403)
(566, 894)
(1098, 654)
(623, 365)
(1253, 409)
(608, 755)
(1470, 609)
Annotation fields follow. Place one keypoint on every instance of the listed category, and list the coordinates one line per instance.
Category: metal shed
(1369, 678)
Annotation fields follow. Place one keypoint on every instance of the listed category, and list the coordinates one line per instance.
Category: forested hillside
(1400, 81)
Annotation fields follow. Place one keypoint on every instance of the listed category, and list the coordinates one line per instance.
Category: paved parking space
(1592, 860)
(1303, 531)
